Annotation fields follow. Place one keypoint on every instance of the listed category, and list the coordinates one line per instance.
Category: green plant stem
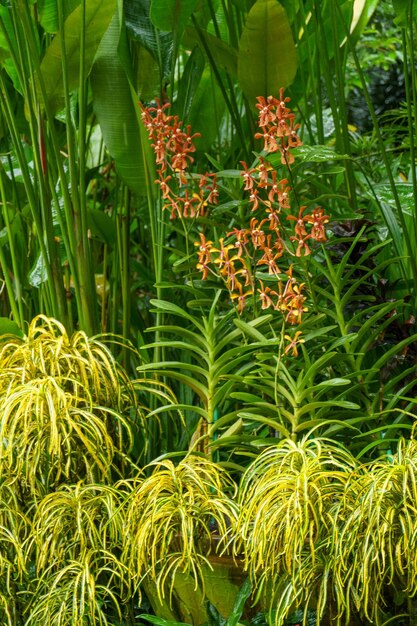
(411, 101)
(125, 267)
(76, 161)
(14, 289)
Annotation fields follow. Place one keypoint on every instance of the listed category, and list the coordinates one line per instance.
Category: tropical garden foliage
(208, 279)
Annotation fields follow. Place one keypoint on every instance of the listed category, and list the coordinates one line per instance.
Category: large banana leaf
(98, 14)
(141, 29)
(48, 13)
(115, 108)
(267, 55)
(171, 15)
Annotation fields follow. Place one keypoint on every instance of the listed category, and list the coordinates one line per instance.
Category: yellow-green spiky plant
(376, 547)
(285, 523)
(76, 537)
(66, 408)
(171, 518)
(68, 414)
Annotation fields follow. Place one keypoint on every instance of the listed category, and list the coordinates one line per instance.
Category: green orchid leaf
(329, 424)
(171, 15)
(332, 382)
(196, 369)
(98, 14)
(267, 58)
(271, 423)
(396, 349)
(249, 330)
(179, 407)
(199, 388)
(341, 341)
(339, 404)
(185, 333)
(182, 345)
(164, 305)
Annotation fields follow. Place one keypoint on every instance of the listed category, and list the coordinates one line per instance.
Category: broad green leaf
(140, 28)
(362, 13)
(148, 77)
(171, 15)
(207, 111)
(267, 58)
(403, 9)
(38, 273)
(220, 52)
(98, 14)
(8, 41)
(48, 13)
(239, 604)
(189, 82)
(318, 154)
(116, 110)
(102, 226)
(9, 327)
(405, 193)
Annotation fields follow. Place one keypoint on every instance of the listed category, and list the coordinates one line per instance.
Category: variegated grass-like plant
(76, 361)
(172, 517)
(75, 543)
(285, 501)
(376, 549)
(67, 409)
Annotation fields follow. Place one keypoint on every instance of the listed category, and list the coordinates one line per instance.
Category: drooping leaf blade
(115, 109)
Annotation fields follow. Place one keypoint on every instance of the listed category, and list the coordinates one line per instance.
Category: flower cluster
(250, 258)
(277, 127)
(184, 195)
